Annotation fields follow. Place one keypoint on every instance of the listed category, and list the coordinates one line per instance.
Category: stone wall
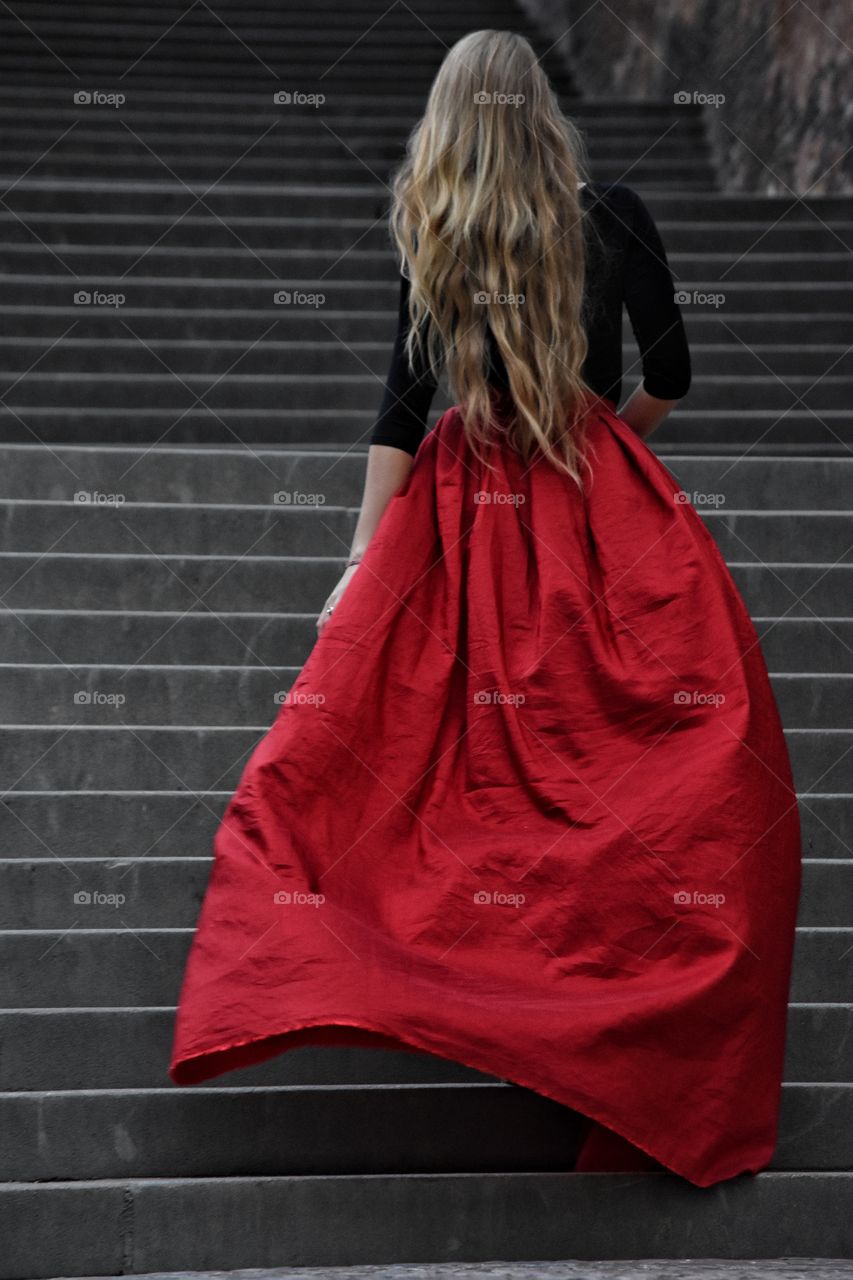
(785, 71)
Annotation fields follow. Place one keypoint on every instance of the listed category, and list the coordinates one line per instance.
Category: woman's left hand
(335, 596)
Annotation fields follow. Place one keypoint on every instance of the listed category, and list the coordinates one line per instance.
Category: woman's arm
(394, 441)
(644, 412)
(387, 470)
(649, 296)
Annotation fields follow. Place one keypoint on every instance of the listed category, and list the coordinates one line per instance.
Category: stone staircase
(160, 575)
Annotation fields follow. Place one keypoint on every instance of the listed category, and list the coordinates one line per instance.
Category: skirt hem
(233, 1055)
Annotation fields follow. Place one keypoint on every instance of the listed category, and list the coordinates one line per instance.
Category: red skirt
(528, 807)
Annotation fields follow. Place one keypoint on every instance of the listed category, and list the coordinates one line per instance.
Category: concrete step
(125, 33)
(42, 588)
(176, 823)
(117, 1226)
(209, 47)
(79, 755)
(38, 290)
(103, 137)
(254, 24)
(226, 258)
(159, 528)
(210, 474)
(319, 528)
(193, 694)
(828, 434)
(365, 68)
(166, 893)
(362, 10)
(128, 966)
(248, 83)
(477, 1127)
(821, 433)
(744, 429)
(231, 113)
(198, 229)
(369, 199)
(266, 11)
(439, 1128)
(705, 326)
(47, 1049)
(660, 171)
(747, 535)
(229, 65)
(129, 1048)
(197, 359)
(141, 648)
(354, 389)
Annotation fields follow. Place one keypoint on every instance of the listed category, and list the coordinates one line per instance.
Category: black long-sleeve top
(626, 264)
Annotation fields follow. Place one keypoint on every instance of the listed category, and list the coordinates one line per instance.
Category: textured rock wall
(785, 71)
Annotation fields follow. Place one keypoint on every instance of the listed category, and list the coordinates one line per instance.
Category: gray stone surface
(192, 358)
(783, 71)
(644, 1269)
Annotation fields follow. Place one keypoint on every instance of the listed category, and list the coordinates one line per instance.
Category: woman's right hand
(335, 596)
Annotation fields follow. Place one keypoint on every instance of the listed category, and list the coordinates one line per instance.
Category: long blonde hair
(489, 226)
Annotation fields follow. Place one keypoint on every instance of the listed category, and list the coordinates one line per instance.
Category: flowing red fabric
(528, 807)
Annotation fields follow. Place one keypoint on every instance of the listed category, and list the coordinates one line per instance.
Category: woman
(528, 805)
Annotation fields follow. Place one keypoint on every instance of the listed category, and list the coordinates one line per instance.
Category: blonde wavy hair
(487, 219)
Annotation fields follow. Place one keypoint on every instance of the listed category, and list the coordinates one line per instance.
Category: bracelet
(350, 563)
